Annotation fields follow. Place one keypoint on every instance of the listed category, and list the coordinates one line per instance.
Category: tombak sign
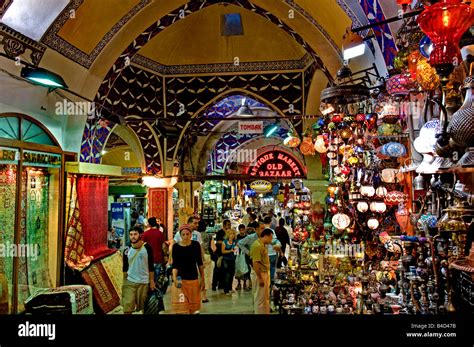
(276, 164)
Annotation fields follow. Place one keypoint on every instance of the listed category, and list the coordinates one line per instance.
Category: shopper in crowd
(138, 272)
(193, 222)
(273, 250)
(217, 277)
(141, 219)
(246, 218)
(282, 236)
(187, 283)
(113, 239)
(274, 222)
(208, 246)
(253, 221)
(155, 238)
(228, 248)
(246, 244)
(261, 272)
(241, 235)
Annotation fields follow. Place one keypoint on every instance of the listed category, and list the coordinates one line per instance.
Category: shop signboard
(118, 218)
(9, 155)
(41, 159)
(251, 127)
(261, 186)
(276, 164)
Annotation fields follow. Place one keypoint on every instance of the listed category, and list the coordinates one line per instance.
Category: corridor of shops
(284, 157)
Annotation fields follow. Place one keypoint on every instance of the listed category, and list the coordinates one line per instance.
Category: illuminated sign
(276, 164)
(261, 186)
(251, 127)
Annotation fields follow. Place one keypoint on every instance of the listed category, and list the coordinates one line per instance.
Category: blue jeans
(273, 264)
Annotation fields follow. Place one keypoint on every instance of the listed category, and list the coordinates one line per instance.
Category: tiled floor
(239, 303)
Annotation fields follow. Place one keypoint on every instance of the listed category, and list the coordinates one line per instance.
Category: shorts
(133, 296)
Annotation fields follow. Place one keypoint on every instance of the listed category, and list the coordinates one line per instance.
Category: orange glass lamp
(444, 23)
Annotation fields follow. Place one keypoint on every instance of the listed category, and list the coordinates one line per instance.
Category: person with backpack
(138, 270)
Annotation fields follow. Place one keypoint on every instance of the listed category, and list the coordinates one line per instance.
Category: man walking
(138, 270)
(155, 238)
(261, 273)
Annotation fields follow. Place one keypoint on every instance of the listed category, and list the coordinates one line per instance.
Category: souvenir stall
(397, 231)
(88, 258)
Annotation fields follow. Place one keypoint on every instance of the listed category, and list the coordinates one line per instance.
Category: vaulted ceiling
(141, 58)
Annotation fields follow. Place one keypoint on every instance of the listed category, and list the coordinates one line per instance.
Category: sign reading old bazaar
(276, 164)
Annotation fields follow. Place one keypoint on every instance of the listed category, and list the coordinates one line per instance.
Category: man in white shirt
(246, 218)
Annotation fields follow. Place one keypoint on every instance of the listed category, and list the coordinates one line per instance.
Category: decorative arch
(208, 109)
(91, 152)
(28, 129)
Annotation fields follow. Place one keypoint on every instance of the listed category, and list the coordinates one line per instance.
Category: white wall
(35, 101)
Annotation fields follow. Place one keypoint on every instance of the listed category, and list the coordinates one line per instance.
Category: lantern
(412, 63)
(307, 147)
(395, 197)
(381, 192)
(320, 144)
(426, 75)
(341, 220)
(378, 206)
(367, 191)
(404, 3)
(362, 206)
(444, 23)
(373, 223)
(292, 140)
(398, 85)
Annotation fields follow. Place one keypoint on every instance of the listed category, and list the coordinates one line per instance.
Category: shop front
(31, 180)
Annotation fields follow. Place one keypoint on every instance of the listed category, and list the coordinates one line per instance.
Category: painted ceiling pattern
(56, 42)
(138, 94)
(161, 69)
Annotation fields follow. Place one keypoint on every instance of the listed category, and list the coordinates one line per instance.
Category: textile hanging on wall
(7, 227)
(74, 254)
(33, 269)
(92, 194)
(158, 203)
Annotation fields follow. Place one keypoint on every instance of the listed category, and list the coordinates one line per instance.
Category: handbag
(154, 303)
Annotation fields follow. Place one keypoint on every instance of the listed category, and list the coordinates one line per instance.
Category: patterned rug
(102, 276)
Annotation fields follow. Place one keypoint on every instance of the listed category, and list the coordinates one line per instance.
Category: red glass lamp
(404, 3)
(444, 23)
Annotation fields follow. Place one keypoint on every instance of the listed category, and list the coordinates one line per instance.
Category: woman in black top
(186, 258)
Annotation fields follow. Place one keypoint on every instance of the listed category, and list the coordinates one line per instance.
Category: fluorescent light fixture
(352, 45)
(32, 18)
(271, 129)
(43, 77)
(127, 195)
(354, 51)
